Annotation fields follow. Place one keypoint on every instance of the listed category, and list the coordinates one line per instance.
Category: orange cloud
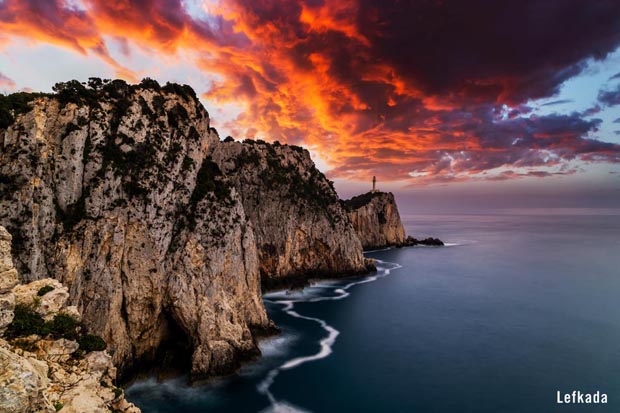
(398, 90)
(51, 22)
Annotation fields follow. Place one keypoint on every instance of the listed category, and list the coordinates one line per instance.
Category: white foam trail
(326, 344)
(275, 346)
(382, 249)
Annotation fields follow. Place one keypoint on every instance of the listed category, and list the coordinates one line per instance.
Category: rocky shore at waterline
(158, 236)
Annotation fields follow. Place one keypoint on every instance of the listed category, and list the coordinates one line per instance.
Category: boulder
(48, 304)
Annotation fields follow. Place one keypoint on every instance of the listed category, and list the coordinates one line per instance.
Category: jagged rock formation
(111, 190)
(301, 228)
(375, 218)
(46, 374)
(8, 280)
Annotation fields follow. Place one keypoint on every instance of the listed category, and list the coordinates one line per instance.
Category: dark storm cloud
(430, 87)
(506, 50)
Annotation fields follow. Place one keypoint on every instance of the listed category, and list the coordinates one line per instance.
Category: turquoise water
(517, 308)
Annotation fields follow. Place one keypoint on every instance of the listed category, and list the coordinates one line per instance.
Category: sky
(446, 102)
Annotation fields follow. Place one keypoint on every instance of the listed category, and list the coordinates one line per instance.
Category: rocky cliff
(110, 189)
(47, 362)
(300, 226)
(161, 232)
(376, 219)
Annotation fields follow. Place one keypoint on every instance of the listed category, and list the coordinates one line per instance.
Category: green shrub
(76, 92)
(208, 180)
(58, 406)
(148, 83)
(15, 104)
(64, 326)
(185, 91)
(44, 290)
(27, 321)
(360, 200)
(91, 342)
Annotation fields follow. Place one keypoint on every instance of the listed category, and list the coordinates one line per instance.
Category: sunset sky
(435, 97)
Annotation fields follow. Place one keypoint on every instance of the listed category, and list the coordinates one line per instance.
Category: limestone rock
(39, 374)
(7, 305)
(376, 219)
(301, 228)
(6, 261)
(117, 198)
(87, 396)
(159, 231)
(22, 384)
(59, 350)
(8, 280)
(49, 303)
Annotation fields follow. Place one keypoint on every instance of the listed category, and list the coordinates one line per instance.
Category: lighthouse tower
(374, 184)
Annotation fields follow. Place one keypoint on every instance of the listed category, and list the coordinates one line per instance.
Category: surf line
(288, 306)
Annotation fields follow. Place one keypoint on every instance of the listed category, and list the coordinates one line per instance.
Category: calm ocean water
(522, 306)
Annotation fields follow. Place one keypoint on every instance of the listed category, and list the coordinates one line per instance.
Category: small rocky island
(156, 236)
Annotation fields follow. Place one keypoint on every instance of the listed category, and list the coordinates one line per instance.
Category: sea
(518, 306)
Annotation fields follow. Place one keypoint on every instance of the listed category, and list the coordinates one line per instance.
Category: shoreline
(340, 289)
(285, 285)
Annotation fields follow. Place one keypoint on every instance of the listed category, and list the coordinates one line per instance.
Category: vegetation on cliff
(27, 321)
(361, 200)
(15, 104)
(132, 214)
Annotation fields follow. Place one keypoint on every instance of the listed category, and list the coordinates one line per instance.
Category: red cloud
(377, 87)
(52, 22)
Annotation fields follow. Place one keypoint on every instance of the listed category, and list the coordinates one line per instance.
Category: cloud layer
(425, 90)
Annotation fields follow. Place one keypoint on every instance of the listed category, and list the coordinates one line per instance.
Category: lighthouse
(374, 184)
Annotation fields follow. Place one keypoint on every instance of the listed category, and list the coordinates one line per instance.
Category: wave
(460, 242)
(276, 346)
(315, 293)
(380, 249)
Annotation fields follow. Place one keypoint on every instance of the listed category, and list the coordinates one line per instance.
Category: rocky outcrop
(110, 189)
(427, 242)
(376, 219)
(23, 381)
(8, 280)
(48, 304)
(43, 373)
(300, 226)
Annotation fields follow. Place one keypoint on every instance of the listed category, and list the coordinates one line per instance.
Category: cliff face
(40, 371)
(376, 220)
(301, 228)
(111, 190)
